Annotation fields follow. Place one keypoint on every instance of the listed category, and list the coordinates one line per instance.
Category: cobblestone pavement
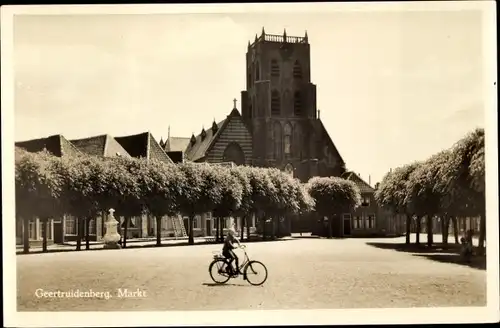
(303, 273)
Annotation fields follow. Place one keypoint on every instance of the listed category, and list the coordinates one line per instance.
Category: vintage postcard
(249, 164)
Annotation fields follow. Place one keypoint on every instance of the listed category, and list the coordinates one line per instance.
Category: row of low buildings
(61, 230)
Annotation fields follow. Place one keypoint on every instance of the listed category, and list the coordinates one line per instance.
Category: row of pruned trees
(447, 185)
(86, 186)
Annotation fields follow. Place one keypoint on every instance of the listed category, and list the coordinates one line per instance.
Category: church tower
(279, 103)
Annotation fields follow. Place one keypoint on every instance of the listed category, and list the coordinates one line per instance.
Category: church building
(279, 124)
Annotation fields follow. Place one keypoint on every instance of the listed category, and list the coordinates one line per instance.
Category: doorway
(208, 227)
(347, 224)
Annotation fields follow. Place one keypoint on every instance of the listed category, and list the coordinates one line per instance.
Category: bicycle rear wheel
(217, 271)
(255, 273)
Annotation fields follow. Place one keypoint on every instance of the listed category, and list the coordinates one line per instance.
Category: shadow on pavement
(444, 253)
(223, 285)
(414, 248)
(477, 262)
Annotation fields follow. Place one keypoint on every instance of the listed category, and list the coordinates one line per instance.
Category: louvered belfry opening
(275, 68)
(297, 104)
(297, 70)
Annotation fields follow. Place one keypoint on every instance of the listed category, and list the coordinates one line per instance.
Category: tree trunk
(242, 228)
(482, 234)
(430, 235)
(408, 228)
(418, 229)
(216, 229)
(87, 233)
(158, 230)
(126, 221)
(273, 227)
(44, 235)
(248, 227)
(262, 221)
(446, 229)
(26, 235)
(221, 230)
(191, 230)
(455, 229)
(330, 228)
(79, 234)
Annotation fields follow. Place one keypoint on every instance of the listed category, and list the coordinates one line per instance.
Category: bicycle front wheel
(255, 273)
(217, 272)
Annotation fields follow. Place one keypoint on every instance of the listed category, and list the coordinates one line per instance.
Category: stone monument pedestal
(112, 237)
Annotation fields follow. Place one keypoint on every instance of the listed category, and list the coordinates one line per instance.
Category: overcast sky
(392, 86)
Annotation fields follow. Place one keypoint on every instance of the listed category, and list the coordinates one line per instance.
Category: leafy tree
(245, 209)
(38, 190)
(122, 190)
(392, 193)
(85, 189)
(162, 187)
(423, 198)
(202, 193)
(333, 196)
(231, 190)
(264, 193)
(286, 201)
(461, 182)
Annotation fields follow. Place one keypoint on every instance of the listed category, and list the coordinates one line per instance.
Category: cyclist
(228, 253)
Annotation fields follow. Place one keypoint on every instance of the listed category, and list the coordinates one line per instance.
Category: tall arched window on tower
(277, 138)
(288, 139)
(275, 103)
(257, 71)
(297, 141)
(297, 104)
(297, 70)
(275, 68)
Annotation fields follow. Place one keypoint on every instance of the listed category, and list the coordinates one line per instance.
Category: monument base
(112, 246)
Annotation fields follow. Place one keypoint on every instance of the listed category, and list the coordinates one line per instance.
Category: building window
(277, 138)
(49, 230)
(370, 221)
(275, 68)
(257, 71)
(196, 222)
(275, 103)
(297, 104)
(71, 226)
(297, 70)
(92, 227)
(288, 138)
(358, 222)
(366, 201)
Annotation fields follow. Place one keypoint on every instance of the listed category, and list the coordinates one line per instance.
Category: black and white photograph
(249, 164)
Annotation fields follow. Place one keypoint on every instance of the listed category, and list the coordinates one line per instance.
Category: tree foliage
(333, 195)
(449, 183)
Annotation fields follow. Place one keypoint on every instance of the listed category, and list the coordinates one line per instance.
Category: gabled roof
(197, 150)
(57, 145)
(143, 145)
(103, 145)
(176, 144)
(362, 185)
(330, 141)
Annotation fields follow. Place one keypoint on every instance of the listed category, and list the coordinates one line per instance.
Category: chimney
(318, 114)
(193, 139)
(370, 179)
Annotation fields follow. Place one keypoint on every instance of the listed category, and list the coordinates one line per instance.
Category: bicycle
(249, 269)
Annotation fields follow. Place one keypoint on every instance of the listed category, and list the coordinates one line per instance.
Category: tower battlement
(275, 38)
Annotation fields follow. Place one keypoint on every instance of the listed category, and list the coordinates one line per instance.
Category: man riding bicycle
(227, 250)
